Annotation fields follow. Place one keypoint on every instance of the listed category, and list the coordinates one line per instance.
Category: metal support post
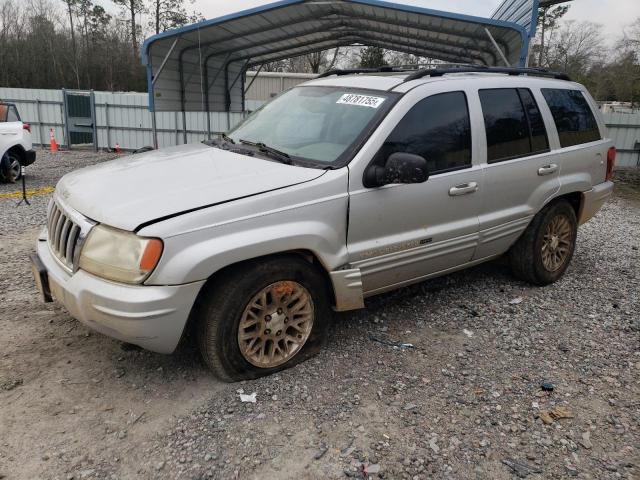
(65, 120)
(40, 132)
(175, 122)
(184, 126)
(154, 130)
(94, 120)
(106, 118)
(246, 90)
(164, 61)
(497, 47)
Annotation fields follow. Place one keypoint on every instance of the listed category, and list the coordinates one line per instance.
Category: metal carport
(201, 67)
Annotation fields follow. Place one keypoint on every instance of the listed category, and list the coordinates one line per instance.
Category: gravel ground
(439, 380)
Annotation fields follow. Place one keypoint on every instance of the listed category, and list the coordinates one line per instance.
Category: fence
(624, 129)
(123, 118)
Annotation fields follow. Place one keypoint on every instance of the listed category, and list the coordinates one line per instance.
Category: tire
(10, 167)
(224, 305)
(142, 150)
(540, 258)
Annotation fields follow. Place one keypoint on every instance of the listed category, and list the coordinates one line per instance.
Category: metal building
(202, 67)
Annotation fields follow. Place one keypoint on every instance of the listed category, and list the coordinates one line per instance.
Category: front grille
(64, 236)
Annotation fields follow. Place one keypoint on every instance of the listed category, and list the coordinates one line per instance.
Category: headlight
(118, 255)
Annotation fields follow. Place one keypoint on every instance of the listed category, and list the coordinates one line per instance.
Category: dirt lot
(463, 400)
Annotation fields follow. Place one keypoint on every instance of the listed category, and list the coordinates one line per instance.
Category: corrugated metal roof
(201, 67)
(522, 12)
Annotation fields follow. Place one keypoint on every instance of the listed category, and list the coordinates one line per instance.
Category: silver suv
(339, 189)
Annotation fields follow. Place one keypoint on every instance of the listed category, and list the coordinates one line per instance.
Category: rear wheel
(260, 318)
(544, 251)
(11, 168)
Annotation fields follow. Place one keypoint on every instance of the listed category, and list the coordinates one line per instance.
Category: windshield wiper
(222, 135)
(274, 152)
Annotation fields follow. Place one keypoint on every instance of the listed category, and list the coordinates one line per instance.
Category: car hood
(139, 189)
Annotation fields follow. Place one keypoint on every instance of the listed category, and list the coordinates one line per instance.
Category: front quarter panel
(310, 216)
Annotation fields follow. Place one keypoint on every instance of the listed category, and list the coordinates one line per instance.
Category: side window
(4, 110)
(513, 124)
(539, 140)
(12, 114)
(437, 128)
(572, 115)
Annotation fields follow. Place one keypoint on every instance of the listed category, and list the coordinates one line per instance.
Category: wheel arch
(309, 256)
(575, 199)
(17, 149)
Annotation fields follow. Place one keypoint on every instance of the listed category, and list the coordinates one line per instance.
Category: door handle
(547, 169)
(463, 189)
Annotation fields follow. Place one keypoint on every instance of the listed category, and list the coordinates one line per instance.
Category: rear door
(581, 149)
(521, 174)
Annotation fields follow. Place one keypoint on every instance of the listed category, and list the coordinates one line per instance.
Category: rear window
(513, 124)
(573, 116)
(8, 113)
(12, 115)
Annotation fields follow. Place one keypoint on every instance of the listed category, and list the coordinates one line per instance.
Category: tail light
(27, 127)
(611, 162)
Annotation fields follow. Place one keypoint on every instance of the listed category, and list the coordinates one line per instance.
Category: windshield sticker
(360, 100)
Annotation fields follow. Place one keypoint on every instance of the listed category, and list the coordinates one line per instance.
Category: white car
(16, 149)
(337, 190)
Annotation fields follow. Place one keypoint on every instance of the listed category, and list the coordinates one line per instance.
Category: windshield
(320, 124)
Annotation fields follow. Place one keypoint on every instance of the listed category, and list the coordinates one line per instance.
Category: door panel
(403, 232)
(582, 150)
(514, 193)
(516, 188)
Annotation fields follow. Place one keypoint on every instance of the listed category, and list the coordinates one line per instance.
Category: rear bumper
(152, 317)
(29, 158)
(593, 200)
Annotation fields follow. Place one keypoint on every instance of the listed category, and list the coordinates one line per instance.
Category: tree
(71, 7)
(624, 70)
(400, 59)
(133, 7)
(315, 62)
(168, 14)
(631, 37)
(372, 57)
(574, 47)
(548, 18)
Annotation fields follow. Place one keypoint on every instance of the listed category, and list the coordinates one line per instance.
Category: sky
(614, 15)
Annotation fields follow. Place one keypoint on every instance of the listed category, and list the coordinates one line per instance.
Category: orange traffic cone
(52, 141)
(118, 148)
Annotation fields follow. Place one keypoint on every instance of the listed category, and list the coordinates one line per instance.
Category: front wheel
(263, 317)
(543, 252)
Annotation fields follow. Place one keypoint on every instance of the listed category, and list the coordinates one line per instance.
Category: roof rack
(439, 72)
(352, 71)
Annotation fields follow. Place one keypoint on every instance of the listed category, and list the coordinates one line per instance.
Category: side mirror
(400, 168)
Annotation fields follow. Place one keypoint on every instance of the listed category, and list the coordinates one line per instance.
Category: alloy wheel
(276, 324)
(556, 243)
